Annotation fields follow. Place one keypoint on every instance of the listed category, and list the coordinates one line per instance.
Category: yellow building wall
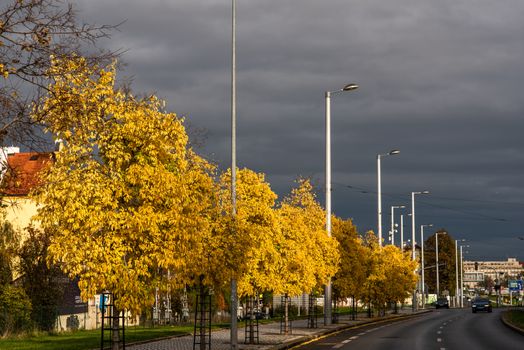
(19, 212)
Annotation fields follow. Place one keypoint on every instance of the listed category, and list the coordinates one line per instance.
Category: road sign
(515, 285)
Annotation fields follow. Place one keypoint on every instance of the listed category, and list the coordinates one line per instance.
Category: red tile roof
(23, 170)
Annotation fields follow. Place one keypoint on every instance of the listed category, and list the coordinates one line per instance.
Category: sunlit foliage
(126, 197)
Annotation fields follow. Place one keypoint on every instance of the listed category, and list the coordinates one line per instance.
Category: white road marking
(338, 346)
(439, 340)
(361, 334)
(439, 332)
(346, 341)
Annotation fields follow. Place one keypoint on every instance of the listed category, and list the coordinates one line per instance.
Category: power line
(406, 198)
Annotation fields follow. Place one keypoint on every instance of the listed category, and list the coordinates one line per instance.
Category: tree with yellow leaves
(127, 199)
(391, 274)
(248, 242)
(248, 246)
(352, 273)
(309, 256)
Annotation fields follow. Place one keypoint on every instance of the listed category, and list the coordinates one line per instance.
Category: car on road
(442, 303)
(481, 304)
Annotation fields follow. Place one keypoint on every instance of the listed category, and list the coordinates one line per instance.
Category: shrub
(15, 310)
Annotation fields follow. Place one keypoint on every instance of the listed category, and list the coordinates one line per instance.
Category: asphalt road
(441, 329)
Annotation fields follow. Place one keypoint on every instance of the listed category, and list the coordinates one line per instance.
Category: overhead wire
(406, 198)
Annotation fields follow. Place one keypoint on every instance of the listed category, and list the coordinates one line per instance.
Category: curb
(503, 318)
(322, 334)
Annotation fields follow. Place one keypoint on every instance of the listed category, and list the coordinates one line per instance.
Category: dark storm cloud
(440, 80)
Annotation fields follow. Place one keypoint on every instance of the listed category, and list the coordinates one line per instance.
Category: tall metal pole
(413, 253)
(402, 232)
(414, 301)
(327, 288)
(422, 264)
(234, 297)
(392, 225)
(393, 207)
(379, 194)
(456, 273)
(379, 202)
(461, 279)
(436, 260)
(413, 226)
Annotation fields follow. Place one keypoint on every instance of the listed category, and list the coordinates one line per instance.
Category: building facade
(477, 271)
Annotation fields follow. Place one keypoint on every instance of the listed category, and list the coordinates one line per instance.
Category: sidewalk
(269, 335)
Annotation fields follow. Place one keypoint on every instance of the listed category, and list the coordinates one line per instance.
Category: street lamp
(392, 232)
(436, 259)
(413, 221)
(462, 276)
(379, 193)
(414, 302)
(456, 271)
(422, 261)
(402, 232)
(327, 290)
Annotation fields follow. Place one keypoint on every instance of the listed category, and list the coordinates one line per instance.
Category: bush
(15, 310)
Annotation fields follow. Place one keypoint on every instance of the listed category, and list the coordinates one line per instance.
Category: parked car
(442, 303)
(481, 304)
(258, 315)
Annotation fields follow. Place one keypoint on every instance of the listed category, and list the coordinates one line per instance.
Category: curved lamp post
(327, 290)
(392, 232)
(379, 193)
(457, 271)
(414, 301)
(462, 276)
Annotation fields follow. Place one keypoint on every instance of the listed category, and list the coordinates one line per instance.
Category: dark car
(442, 303)
(481, 304)
(258, 315)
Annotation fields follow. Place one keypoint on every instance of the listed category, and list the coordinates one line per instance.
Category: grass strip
(516, 318)
(87, 339)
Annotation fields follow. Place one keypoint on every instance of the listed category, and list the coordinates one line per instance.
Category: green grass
(86, 340)
(516, 318)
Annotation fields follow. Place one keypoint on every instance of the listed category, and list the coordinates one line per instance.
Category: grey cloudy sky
(439, 80)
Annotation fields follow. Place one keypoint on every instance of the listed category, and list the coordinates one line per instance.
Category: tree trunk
(286, 314)
(115, 334)
(251, 324)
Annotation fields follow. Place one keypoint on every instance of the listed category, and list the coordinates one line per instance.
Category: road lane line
(439, 340)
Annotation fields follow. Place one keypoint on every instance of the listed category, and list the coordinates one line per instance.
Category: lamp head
(394, 152)
(350, 87)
